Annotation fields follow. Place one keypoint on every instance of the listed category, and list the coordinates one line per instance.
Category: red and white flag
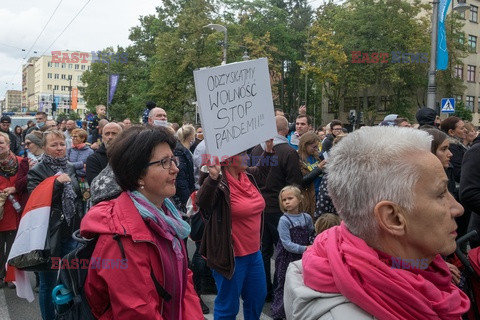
(32, 232)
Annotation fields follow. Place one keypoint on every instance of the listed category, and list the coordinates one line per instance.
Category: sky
(101, 24)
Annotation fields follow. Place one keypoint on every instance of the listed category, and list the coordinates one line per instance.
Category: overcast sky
(102, 23)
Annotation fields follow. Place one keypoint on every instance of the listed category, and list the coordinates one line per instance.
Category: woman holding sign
(233, 208)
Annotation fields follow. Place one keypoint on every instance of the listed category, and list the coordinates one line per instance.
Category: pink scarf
(79, 146)
(340, 262)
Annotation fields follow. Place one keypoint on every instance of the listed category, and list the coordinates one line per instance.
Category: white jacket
(303, 303)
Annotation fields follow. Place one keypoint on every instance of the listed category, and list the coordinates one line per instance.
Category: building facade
(470, 70)
(55, 78)
(13, 101)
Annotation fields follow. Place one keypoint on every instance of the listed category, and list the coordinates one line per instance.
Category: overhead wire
(29, 50)
(64, 29)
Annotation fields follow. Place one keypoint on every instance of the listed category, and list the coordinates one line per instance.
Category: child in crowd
(101, 111)
(295, 229)
(326, 221)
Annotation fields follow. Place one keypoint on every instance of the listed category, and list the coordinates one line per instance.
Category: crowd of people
(337, 210)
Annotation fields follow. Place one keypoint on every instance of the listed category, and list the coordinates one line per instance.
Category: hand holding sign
(235, 106)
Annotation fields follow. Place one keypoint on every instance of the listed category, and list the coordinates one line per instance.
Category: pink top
(246, 205)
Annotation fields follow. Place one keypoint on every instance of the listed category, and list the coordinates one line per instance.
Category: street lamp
(220, 28)
(432, 86)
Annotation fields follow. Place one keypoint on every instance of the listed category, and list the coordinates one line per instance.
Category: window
(459, 71)
(83, 67)
(57, 64)
(470, 101)
(462, 15)
(57, 76)
(460, 37)
(472, 43)
(70, 66)
(471, 73)
(55, 87)
(49, 76)
(77, 67)
(89, 67)
(458, 98)
(64, 65)
(79, 78)
(473, 14)
(49, 87)
(49, 64)
(64, 76)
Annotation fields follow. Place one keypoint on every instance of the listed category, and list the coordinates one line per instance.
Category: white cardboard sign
(235, 106)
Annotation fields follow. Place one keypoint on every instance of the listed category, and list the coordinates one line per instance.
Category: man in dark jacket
(5, 122)
(336, 129)
(469, 192)
(97, 161)
(285, 172)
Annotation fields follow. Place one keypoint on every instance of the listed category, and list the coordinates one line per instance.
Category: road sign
(448, 105)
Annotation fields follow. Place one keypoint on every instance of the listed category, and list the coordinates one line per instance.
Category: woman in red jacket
(9, 222)
(138, 269)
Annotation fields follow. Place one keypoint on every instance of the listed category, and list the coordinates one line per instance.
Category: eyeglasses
(166, 163)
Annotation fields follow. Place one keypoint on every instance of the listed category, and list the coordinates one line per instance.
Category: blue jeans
(47, 283)
(249, 282)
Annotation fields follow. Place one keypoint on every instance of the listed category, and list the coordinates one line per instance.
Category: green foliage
(462, 112)
(72, 115)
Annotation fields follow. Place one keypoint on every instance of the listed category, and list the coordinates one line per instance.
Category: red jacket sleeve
(129, 291)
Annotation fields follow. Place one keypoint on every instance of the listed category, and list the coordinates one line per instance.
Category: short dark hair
(335, 123)
(449, 124)
(132, 150)
(309, 119)
(41, 113)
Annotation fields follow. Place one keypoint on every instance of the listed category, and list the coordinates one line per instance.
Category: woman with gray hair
(385, 260)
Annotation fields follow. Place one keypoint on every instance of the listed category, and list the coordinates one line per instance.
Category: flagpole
(432, 86)
(108, 85)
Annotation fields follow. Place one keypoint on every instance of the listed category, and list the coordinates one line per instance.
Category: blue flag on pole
(442, 52)
(113, 86)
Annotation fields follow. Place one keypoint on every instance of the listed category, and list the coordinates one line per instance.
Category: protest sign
(236, 107)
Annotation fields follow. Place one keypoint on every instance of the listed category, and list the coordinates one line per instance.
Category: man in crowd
(127, 123)
(302, 125)
(5, 122)
(286, 172)
(336, 128)
(97, 161)
(157, 117)
(41, 119)
(70, 125)
(426, 116)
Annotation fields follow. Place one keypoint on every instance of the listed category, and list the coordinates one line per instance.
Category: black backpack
(68, 295)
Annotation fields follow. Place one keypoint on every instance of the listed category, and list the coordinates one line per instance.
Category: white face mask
(160, 123)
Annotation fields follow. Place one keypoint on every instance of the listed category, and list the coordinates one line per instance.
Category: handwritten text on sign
(236, 106)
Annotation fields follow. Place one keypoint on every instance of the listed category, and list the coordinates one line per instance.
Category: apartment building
(28, 85)
(56, 78)
(470, 70)
(13, 100)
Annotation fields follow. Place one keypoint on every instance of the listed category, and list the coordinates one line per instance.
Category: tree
(462, 112)
(358, 30)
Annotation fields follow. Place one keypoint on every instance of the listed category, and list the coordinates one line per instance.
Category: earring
(142, 187)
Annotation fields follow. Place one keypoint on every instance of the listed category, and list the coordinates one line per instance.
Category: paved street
(14, 308)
